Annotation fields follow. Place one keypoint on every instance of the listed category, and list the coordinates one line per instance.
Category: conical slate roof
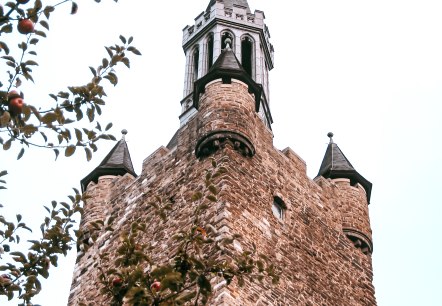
(336, 165)
(231, 3)
(117, 162)
(227, 67)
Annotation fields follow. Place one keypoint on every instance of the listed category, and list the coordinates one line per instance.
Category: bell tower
(227, 23)
(316, 231)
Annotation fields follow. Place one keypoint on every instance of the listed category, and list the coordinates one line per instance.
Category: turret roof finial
(124, 132)
(330, 135)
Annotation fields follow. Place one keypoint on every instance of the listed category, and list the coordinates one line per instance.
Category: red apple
(22, 1)
(16, 105)
(156, 286)
(25, 26)
(117, 282)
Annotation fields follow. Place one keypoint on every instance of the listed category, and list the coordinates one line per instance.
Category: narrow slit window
(210, 51)
(196, 60)
(247, 54)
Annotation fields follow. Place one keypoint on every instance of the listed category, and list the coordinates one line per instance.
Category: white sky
(370, 71)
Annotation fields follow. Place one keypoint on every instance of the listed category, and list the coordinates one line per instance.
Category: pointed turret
(336, 165)
(351, 196)
(117, 163)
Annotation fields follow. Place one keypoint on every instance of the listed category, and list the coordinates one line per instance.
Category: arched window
(196, 60)
(227, 37)
(210, 51)
(247, 54)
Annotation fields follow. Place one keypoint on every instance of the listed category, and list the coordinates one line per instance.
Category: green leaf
(112, 77)
(48, 10)
(40, 33)
(57, 152)
(70, 150)
(212, 198)
(6, 29)
(90, 114)
(4, 119)
(79, 135)
(7, 145)
(197, 196)
(44, 24)
(88, 154)
(213, 190)
(49, 118)
(94, 72)
(171, 281)
(108, 126)
(20, 155)
(31, 63)
(134, 50)
(126, 62)
(9, 58)
(74, 8)
(109, 51)
(4, 47)
(123, 39)
(3, 173)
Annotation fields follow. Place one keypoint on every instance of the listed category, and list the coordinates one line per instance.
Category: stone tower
(317, 230)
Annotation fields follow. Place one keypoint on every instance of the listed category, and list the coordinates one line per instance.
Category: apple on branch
(15, 102)
(25, 26)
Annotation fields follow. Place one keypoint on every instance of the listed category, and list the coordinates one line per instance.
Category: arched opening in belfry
(196, 60)
(247, 54)
(210, 46)
(227, 38)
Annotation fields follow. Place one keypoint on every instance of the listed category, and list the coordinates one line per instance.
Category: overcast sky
(369, 71)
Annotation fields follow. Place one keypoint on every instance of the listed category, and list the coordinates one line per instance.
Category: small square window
(278, 208)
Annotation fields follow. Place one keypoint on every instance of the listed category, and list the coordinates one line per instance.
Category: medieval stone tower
(317, 230)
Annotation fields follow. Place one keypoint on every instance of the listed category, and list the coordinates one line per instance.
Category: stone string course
(321, 266)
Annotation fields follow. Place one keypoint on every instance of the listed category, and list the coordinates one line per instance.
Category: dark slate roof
(117, 162)
(336, 165)
(227, 67)
(231, 3)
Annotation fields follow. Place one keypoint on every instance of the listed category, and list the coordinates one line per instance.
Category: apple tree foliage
(65, 127)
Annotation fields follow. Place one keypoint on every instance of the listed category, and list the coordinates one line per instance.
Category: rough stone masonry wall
(353, 206)
(320, 265)
(227, 107)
